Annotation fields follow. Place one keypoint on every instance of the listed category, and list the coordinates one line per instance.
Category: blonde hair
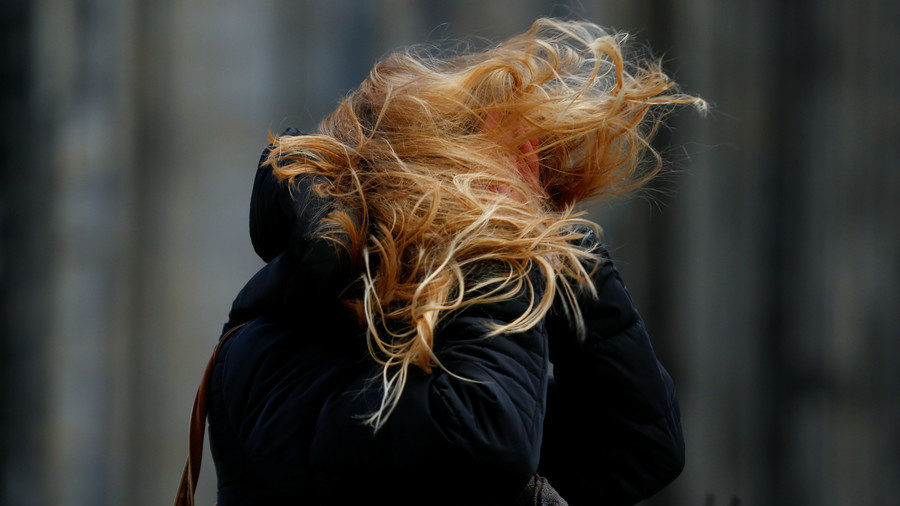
(413, 175)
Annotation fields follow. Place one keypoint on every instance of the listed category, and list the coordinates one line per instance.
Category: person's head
(440, 166)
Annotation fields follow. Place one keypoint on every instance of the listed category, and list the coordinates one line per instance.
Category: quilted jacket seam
(598, 340)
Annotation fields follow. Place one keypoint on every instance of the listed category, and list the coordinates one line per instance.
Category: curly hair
(414, 157)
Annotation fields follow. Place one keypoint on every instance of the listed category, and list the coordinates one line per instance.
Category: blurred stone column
(82, 96)
(24, 278)
(206, 75)
(721, 252)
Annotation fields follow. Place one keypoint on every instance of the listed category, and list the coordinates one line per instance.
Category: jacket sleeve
(476, 442)
(613, 431)
(492, 430)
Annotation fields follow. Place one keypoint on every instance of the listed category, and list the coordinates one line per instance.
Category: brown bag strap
(185, 495)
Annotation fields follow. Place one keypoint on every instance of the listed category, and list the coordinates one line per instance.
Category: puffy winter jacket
(289, 387)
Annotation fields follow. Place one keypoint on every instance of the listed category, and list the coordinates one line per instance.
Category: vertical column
(841, 429)
(206, 78)
(82, 96)
(721, 233)
(24, 292)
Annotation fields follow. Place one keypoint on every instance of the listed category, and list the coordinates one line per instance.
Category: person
(435, 323)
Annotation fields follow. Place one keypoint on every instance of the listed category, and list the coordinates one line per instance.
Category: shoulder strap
(185, 495)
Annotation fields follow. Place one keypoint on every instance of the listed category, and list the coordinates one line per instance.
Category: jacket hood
(273, 211)
(302, 272)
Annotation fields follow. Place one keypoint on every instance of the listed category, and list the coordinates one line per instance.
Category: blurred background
(765, 264)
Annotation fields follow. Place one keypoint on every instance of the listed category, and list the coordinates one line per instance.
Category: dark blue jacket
(288, 389)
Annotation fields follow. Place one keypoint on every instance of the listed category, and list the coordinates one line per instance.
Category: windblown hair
(414, 173)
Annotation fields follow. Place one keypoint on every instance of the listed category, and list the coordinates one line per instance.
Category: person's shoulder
(271, 355)
(252, 343)
(273, 343)
(592, 242)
